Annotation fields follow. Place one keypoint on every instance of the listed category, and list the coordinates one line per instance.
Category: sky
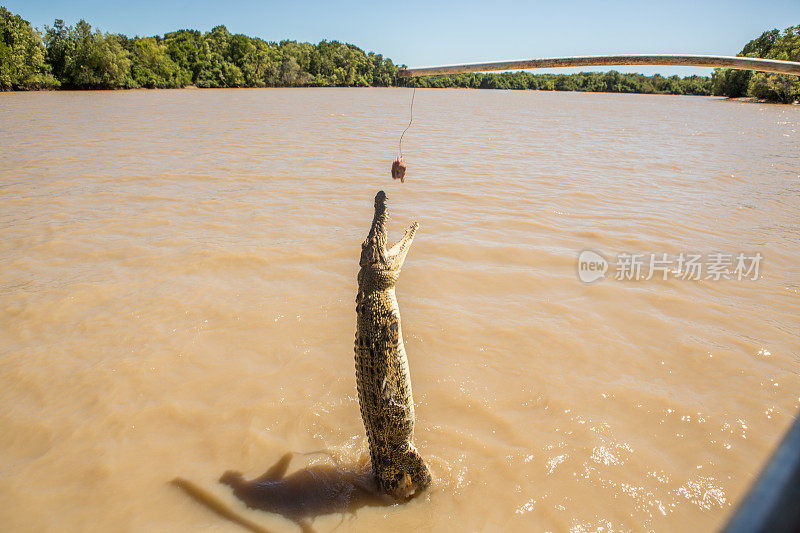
(421, 33)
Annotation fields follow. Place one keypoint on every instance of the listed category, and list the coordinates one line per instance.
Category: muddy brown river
(177, 298)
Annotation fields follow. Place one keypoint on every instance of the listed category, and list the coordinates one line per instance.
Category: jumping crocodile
(382, 375)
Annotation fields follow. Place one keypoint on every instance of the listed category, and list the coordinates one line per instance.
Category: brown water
(179, 273)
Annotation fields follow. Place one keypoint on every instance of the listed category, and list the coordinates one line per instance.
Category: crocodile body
(382, 375)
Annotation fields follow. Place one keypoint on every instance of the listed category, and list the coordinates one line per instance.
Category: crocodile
(382, 374)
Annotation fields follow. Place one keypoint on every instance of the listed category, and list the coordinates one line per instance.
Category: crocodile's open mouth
(374, 248)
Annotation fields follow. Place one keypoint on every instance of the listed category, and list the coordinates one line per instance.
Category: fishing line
(400, 146)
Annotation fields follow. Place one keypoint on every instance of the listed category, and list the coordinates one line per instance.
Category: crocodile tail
(417, 469)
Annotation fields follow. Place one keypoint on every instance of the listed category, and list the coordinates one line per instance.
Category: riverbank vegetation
(609, 82)
(79, 57)
(761, 85)
(23, 62)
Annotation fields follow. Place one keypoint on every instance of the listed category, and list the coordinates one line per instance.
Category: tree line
(782, 88)
(79, 57)
(609, 82)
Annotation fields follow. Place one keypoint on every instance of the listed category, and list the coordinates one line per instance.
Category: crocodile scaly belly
(384, 391)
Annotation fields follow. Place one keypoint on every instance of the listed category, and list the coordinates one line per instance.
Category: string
(400, 147)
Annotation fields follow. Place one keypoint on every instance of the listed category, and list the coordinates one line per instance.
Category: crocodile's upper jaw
(374, 252)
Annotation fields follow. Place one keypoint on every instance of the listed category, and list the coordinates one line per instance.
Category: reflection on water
(177, 297)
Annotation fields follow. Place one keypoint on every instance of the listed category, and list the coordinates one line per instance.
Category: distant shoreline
(195, 87)
(754, 100)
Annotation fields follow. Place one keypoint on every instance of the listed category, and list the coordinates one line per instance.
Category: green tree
(152, 66)
(729, 82)
(216, 70)
(22, 55)
(610, 81)
(85, 59)
(564, 82)
(775, 87)
(771, 44)
(185, 48)
(779, 87)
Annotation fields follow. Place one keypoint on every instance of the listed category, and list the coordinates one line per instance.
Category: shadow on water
(301, 496)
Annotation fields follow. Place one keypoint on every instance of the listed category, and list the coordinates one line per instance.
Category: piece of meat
(399, 169)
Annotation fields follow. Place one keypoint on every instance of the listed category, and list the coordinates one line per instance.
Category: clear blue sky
(421, 33)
